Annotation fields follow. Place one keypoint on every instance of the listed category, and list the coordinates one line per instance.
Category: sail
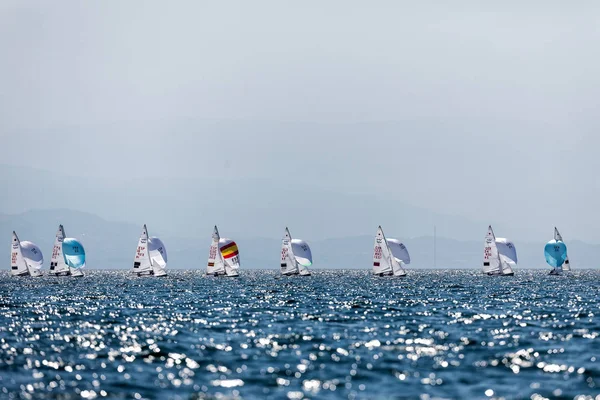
(508, 255)
(382, 257)
(289, 264)
(57, 261)
(397, 267)
(557, 236)
(399, 251)
(141, 259)
(555, 253)
(302, 252)
(215, 259)
(33, 257)
(18, 266)
(302, 255)
(491, 259)
(231, 256)
(73, 253)
(158, 256)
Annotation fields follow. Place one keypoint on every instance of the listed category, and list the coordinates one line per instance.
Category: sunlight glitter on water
(453, 334)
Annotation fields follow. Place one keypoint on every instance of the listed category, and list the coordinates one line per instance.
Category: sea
(338, 334)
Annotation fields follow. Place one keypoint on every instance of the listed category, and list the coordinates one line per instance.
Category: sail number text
(378, 253)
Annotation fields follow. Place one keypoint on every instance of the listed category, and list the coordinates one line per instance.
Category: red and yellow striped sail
(229, 250)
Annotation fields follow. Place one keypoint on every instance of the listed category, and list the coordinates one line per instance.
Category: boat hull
(223, 275)
(390, 274)
(498, 274)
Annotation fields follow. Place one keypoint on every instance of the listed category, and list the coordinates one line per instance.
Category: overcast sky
(472, 109)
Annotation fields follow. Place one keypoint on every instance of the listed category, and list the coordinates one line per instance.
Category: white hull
(32, 273)
(500, 274)
(222, 274)
(149, 273)
(389, 274)
(296, 273)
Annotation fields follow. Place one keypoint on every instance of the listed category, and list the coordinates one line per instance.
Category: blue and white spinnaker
(73, 253)
(555, 252)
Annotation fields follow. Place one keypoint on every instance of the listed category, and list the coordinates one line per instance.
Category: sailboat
(558, 237)
(150, 256)
(58, 266)
(223, 257)
(499, 255)
(26, 258)
(389, 256)
(295, 256)
(555, 252)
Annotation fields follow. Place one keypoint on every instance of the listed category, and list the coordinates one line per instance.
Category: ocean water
(336, 334)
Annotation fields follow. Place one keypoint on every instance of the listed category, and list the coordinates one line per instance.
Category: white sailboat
(558, 237)
(58, 266)
(223, 257)
(499, 255)
(26, 258)
(389, 256)
(295, 256)
(150, 256)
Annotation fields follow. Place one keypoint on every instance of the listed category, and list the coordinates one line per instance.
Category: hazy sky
(488, 111)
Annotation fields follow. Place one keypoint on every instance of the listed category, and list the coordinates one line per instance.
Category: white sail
(382, 255)
(491, 258)
(289, 264)
(33, 257)
(295, 255)
(141, 259)
(18, 266)
(397, 267)
(399, 251)
(158, 256)
(302, 255)
(557, 236)
(230, 256)
(508, 255)
(216, 264)
(400, 256)
(57, 261)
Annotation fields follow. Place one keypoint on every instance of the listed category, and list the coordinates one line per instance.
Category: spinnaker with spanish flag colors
(223, 256)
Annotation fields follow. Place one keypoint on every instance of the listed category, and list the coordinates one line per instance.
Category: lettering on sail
(141, 251)
(487, 253)
(378, 253)
(284, 253)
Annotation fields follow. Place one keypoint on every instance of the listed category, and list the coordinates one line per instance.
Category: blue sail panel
(73, 253)
(556, 253)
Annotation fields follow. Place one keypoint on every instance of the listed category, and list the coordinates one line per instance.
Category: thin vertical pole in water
(434, 247)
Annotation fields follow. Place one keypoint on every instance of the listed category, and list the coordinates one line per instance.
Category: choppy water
(337, 334)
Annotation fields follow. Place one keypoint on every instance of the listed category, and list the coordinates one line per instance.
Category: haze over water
(337, 334)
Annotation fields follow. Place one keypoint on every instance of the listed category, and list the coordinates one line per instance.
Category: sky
(472, 109)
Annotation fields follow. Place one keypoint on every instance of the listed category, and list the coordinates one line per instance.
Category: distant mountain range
(189, 207)
(111, 245)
